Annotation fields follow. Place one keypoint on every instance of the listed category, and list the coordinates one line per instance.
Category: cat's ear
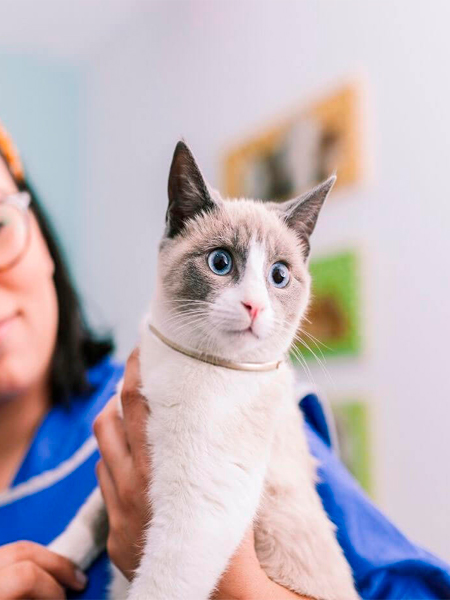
(188, 191)
(301, 213)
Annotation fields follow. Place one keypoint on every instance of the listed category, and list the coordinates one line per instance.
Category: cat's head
(233, 277)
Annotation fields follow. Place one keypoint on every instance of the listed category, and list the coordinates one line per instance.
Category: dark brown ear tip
(322, 189)
(328, 183)
(182, 148)
(181, 145)
(183, 155)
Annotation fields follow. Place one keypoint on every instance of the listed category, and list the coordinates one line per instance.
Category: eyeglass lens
(13, 233)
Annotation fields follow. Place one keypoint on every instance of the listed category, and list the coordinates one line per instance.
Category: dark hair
(77, 348)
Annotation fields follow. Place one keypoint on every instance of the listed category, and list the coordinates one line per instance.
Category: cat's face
(232, 273)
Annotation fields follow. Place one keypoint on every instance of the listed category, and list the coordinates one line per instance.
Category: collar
(216, 360)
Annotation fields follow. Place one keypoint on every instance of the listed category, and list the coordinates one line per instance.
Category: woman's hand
(124, 470)
(244, 578)
(29, 570)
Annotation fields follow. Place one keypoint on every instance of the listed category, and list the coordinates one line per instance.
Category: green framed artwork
(352, 425)
(332, 325)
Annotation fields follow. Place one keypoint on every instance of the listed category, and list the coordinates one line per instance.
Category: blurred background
(271, 96)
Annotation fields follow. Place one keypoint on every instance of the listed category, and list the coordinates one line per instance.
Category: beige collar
(215, 360)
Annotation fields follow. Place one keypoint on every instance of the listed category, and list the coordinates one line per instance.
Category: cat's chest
(179, 384)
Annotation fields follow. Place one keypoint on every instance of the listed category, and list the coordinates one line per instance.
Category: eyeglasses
(14, 227)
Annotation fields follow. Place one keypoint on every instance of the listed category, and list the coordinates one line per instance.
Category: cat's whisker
(210, 346)
(190, 301)
(183, 310)
(304, 343)
(191, 322)
(316, 340)
(226, 315)
(319, 349)
(184, 314)
(174, 324)
(182, 320)
(320, 362)
(297, 353)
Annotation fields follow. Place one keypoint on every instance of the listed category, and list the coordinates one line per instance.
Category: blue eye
(279, 275)
(220, 261)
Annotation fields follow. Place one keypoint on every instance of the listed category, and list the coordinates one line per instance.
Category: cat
(226, 435)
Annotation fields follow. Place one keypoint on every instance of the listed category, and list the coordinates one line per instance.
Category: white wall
(212, 71)
(40, 104)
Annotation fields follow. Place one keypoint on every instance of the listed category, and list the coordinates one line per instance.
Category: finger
(28, 580)
(135, 411)
(109, 490)
(110, 433)
(58, 566)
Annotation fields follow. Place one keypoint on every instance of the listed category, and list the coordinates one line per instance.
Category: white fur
(85, 536)
(228, 451)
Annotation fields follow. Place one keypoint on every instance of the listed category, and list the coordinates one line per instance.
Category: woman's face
(28, 311)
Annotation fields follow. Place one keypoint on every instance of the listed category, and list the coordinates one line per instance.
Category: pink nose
(253, 309)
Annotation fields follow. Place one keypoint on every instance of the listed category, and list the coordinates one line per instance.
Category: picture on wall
(352, 425)
(332, 327)
(295, 154)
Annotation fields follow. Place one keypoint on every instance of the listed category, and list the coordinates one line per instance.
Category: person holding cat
(55, 377)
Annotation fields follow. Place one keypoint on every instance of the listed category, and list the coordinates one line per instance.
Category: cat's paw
(77, 545)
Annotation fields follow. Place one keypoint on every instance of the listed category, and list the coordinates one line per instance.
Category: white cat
(226, 434)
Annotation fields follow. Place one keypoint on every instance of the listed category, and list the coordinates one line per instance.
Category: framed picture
(332, 326)
(352, 425)
(298, 152)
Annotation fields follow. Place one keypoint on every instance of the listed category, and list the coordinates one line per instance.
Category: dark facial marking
(194, 283)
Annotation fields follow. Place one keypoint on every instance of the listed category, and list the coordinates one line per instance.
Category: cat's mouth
(247, 330)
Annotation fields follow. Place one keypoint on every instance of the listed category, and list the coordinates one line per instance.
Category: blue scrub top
(58, 474)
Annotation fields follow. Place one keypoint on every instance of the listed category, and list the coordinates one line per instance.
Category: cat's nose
(253, 309)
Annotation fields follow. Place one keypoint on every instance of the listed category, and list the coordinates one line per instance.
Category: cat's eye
(220, 261)
(279, 275)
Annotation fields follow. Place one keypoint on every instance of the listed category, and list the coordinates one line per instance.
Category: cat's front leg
(194, 532)
(184, 558)
(85, 536)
